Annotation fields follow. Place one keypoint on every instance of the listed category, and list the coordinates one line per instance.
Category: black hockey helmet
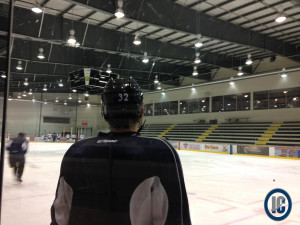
(122, 98)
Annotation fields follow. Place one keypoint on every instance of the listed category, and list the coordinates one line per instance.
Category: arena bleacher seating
(261, 133)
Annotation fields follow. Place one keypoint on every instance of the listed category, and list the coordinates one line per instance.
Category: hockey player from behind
(17, 148)
(120, 177)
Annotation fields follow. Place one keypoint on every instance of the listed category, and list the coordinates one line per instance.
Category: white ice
(222, 189)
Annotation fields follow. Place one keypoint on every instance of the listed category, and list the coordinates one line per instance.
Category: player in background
(54, 136)
(68, 137)
(120, 177)
(17, 148)
(58, 137)
(73, 136)
(49, 136)
(81, 136)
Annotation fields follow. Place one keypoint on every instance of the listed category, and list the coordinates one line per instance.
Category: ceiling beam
(111, 40)
(163, 16)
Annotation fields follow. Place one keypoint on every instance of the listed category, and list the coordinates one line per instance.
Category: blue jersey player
(120, 177)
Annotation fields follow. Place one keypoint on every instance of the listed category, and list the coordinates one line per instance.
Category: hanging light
(45, 101)
(86, 94)
(56, 99)
(45, 87)
(137, 40)
(74, 90)
(24, 94)
(145, 59)
(37, 8)
(60, 83)
(65, 103)
(30, 92)
(77, 44)
(119, 12)
(108, 70)
(280, 18)
(195, 72)
(26, 82)
(33, 100)
(197, 59)
(79, 100)
(284, 74)
(240, 72)
(156, 81)
(19, 96)
(88, 104)
(158, 86)
(249, 60)
(72, 40)
(193, 88)
(70, 96)
(231, 81)
(3, 75)
(41, 53)
(19, 66)
(163, 92)
(198, 43)
(9, 98)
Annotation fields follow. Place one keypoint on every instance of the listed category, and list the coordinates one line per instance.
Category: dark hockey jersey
(121, 179)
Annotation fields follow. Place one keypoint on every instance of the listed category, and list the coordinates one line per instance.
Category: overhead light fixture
(280, 18)
(163, 92)
(24, 94)
(60, 83)
(294, 99)
(145, 58)
(119, 12)
(137, 40)
(108, 70)
(19, 66)
(249, 60)
(26, 82)
(86, 94)
(65, 103)
(197, 59)
(33, 100)
(41, 53)
(45, 101)
(19, 96)
(70, 96)
(77, 44)
(195, 72)
(37, 8)
(45, 87)
(158, 86)
(198, 43)
(79, 100)
(72, 40)
(231, 81)
(240, 72)
(284, 74)
(30, 92)
(56, 99)
(3, 75)
(9, 98)
(285, 92)
(193, 88)
(74, 90)
(88, 104)
(156, 81)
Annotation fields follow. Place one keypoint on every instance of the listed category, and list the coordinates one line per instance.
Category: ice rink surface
(222, 189)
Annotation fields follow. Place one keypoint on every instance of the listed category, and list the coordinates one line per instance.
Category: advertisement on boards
(252, 150)
(287, 152)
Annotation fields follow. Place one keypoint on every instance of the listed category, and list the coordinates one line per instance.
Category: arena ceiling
(230, 30)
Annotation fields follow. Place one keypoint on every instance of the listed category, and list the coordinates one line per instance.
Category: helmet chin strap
(141, 127)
